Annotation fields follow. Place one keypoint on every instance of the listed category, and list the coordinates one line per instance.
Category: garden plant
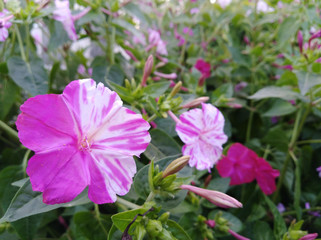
(158, 119)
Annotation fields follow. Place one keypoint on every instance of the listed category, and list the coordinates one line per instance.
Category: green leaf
(219, 184)
(9, 92)
(307, 81)
(121, 220)
(225, 90)
(27, 227)
(133, 10)
(275, 92)
(114, 74)
(26, 203)
(161, 145)
(142, 187)
(287, 30)
(30, 76)
(278, 138)
(156, 89)
(99, 66)
(121, 91)
(58, 36)
(279, 224)
(177, 231)
(279, 108)
(88, 225)
(114, 233)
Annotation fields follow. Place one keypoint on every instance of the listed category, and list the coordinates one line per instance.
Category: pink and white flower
(5, 16)
(155, 40)
(82, 137)
(202, 132)
(62, 13)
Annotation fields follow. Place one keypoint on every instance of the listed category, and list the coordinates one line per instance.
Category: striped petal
(110, 174)
(212, 117)
(125, 133)
(190, 125)
(45, 123)
(202, 155)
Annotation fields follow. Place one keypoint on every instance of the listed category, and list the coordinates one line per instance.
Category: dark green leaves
(30, 76)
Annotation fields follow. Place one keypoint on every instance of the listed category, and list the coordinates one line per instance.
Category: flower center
(85, 144)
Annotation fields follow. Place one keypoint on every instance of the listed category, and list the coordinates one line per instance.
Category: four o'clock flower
(202, 132)
(82, 137)
(62, 13)
(218, 198)
(204, 68)
(5, 16)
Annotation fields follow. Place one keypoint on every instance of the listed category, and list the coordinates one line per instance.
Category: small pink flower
(223, 3)
(204, 68)
(243, 165)
(218, 198)
(310, 236)
(319, 171)
(156, 41)
(81, 138)
(202, 132)
(237, 236)
(62, 14)
(280, 208)
(187, 30)
(194, 10)
(238, 164)
(246, 40)
(5, 16)
(318, 60)
(238, 87)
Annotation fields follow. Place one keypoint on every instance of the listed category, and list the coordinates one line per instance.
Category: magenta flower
(217, 198)
(202, 132)
(238, 164)
(243, 165)
(204, 68)
(62, 14)
(188, 31)
(5, 24)
(211, 223)
(82, 137)
(155, 40)
(314, 36)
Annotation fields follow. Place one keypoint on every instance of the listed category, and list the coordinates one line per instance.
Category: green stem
(27, 39)
(181, 59)
(12, 133)
(13, 40)
(297, 188)
(24, 162)
(150, 196)
(152, 118)
(127, 203)
(303, 210)
(249, 125)
(281, 178)
(97, 213)
(308, 141)
(22, 50)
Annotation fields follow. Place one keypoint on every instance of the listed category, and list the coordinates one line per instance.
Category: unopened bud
(164, 217)
(154, 228)
(175, 90)
(310, 236)
(175, 166)
(218, 198)
(167, 182)
(300, 41)
(196, 102)
(210, 223)
(147, 69)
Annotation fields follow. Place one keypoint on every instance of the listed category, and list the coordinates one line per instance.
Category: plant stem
(24, 162)
(308, 141)
(249, 124)
(127, 203)
(150, 196)
(297, 188)
(303, 210)
(152, 118)
(22, 50)
(12, 133)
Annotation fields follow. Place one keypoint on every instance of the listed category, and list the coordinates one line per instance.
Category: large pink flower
(243, 165)
(202, 132)
(82, 137)
(62, 13)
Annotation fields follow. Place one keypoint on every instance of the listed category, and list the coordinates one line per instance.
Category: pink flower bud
(246, 40)
(210, 223)
(237, 236)
(196, 102)
(218, 198)
(175, 166)
(165, 75)
(310, 236)
(315, 35)
(300, 41)
(147, 69)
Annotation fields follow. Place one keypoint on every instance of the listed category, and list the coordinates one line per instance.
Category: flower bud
(167, 182)
(175, 166)
(175, 90)
(154, 228)
(300, 41)
(310, 236)
(237, 236)
(196, 102)
(164, 217)
(147, 69)
(210, 223)
(218, 198)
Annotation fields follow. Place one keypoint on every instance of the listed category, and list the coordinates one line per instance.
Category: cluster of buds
(295, 232)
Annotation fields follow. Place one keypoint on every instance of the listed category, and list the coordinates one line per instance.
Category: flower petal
(60, 174)
(190, 125)
(109, 175)
(125, 132)
(213, 118)
(202, 155)
(51, 118)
